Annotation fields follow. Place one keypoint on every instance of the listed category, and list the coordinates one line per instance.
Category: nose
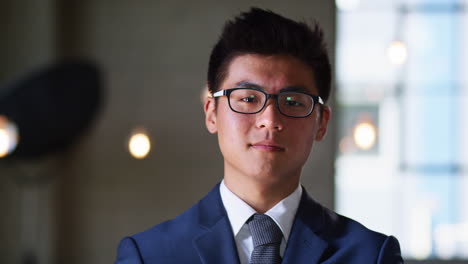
(270, 117)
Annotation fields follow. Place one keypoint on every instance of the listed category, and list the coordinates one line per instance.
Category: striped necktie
(266, 236)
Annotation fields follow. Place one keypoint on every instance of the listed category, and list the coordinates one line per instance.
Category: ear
(210, 115)
(323, 125)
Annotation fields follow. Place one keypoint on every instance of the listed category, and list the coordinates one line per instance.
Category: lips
(267, 146)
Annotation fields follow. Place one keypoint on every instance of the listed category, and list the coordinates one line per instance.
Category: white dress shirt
(238, 211)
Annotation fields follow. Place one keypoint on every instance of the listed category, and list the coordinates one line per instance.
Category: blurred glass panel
(413, 181)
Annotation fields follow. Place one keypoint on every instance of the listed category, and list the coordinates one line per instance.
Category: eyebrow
(245, 84)
(294, 88)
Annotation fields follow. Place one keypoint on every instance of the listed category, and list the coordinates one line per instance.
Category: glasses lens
(295, 104)
(247, 100)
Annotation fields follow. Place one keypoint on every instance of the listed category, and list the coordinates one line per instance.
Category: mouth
(267, 147)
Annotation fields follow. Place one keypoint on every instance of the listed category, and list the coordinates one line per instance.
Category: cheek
(304, 134)
(233, 127)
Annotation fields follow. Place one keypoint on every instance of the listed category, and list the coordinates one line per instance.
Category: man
(269, 78)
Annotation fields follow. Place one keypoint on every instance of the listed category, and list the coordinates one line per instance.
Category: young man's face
(268, 146)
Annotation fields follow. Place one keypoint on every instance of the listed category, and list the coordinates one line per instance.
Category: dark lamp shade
(52, 107)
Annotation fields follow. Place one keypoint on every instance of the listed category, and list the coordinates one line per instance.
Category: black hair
(264, 32)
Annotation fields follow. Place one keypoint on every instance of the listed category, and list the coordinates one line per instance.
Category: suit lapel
(304, 243)
(215, 244)
(304, 246)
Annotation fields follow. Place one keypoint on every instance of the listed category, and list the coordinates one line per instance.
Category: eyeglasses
(252, 101)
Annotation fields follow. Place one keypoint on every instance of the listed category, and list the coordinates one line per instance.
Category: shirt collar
(239, 212)
(284, 212)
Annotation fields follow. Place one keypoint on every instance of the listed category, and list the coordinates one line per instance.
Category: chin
(269, 176)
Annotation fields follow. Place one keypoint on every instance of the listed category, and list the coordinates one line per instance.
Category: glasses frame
(227, 92)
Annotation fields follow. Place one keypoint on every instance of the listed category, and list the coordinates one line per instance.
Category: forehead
(271, 73)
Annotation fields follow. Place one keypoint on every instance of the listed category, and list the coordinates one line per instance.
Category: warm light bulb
(347, 5)
(397, 53)
(139, 145)
(4, 142)
(365, 135)
(8, 136)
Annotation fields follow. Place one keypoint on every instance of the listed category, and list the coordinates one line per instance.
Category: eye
(249, 99)
(291, 102)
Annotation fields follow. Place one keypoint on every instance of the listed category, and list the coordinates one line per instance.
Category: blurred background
(93, 149)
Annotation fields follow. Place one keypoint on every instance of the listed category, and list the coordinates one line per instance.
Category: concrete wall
(151, 53)
(27, 31)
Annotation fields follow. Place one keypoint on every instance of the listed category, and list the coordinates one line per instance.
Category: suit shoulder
(332, 226)
(350, 239)
(170, 228)
(161, 243)
(339, 226)
(173, 241)
(170, 235)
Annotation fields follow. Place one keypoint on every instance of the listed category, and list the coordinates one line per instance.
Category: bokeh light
(8, 136)
(365, 135)
(139, 145)
(397, 53)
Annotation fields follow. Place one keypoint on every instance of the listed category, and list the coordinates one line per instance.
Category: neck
(260, 194)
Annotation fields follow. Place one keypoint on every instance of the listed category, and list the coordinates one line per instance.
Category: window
(402, 93)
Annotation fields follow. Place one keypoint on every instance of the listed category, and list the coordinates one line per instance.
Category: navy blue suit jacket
(203, 234)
